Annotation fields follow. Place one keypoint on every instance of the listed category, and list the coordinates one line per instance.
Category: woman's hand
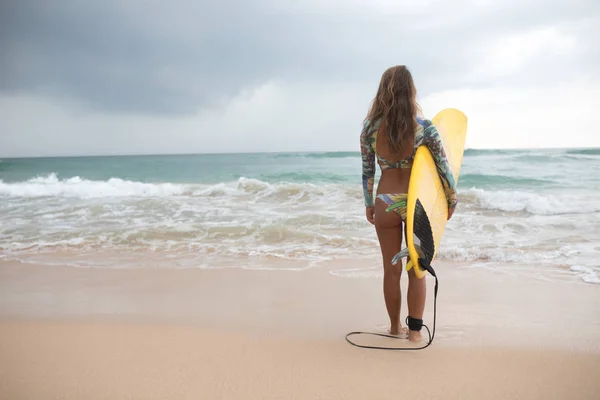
(371, 215)
(450, 212)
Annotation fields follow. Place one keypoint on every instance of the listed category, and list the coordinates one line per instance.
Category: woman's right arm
(368, 164)
(431, 138)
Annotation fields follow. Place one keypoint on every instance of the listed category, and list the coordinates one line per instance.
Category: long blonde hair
(396, 105)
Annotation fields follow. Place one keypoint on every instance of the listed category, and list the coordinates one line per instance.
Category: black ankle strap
(414, 324)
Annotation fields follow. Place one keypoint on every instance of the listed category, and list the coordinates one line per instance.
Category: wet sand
(221, 334)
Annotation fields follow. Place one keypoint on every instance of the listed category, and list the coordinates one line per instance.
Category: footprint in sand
(446, 333)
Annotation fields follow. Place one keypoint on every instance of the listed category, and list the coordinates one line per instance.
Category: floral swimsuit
(426, 134)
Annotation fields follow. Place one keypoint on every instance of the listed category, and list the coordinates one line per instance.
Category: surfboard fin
(402, 254)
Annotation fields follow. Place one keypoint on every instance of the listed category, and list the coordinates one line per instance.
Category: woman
(391, 133)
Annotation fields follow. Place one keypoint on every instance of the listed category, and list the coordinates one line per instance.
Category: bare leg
(393, 297)
(389, 233)
(417, 289)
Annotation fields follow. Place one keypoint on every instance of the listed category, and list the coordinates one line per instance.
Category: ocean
(519, 210)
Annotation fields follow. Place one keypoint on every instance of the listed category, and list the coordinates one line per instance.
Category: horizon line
(278, 152)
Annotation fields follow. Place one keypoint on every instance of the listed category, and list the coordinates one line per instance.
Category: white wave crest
(533, 203)
(587, 274)
(51, 186)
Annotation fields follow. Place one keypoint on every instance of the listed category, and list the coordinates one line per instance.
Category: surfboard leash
(426, 266)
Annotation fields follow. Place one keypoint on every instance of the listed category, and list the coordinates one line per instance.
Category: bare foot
(415, 336)
(386, 329)
(402, 331)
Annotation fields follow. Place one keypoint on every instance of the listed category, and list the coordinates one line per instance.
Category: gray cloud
(176, 57)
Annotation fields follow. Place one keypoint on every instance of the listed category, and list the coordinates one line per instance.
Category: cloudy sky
(193, 76)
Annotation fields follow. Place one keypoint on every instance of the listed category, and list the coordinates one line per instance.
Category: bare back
(393, 180)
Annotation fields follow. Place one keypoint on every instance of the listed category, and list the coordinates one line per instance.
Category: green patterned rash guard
(427, 135)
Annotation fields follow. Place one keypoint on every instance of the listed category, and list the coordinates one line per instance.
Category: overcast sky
(192, 76)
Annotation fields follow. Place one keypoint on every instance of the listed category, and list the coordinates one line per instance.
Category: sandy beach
(219, 334)
(190, 199)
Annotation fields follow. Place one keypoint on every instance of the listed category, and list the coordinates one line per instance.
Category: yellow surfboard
(427, 209)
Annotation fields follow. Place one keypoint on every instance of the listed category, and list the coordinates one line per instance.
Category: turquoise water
(210, 168)
(507, 168)
(522, 207)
